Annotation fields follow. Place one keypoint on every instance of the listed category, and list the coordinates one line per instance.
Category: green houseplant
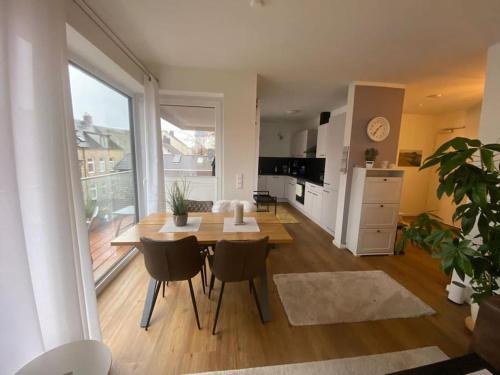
(370, 156)
(177, 201)
(468, 172)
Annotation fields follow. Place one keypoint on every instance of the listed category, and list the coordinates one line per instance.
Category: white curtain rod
(91, 13)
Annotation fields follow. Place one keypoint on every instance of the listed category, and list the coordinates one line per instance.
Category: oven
(300, 189)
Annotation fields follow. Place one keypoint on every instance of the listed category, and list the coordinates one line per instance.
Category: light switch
(239, 180)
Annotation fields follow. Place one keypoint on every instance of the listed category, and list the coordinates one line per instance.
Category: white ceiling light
(434, 96)
(292, 111)
(256, 3)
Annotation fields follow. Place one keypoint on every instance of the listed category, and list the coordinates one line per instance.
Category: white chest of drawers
(374, 211)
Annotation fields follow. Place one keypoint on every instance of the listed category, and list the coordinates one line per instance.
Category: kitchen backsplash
(310, 168)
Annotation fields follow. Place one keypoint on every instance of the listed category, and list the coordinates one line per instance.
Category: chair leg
(194, 303)
(205, 273)
(155, 295)
(218, 307)
(163, 289)
(202, 274)
(212, 281)
(256, 300)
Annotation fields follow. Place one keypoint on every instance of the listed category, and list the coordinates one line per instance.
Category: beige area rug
(377, 364)
(285, 216)
(340, 297)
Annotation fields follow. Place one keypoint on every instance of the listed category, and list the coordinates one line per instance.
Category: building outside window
(111, 164)
(90, 165)
(102, 165)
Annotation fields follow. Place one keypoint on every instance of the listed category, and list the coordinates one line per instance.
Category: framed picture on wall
(410, 158)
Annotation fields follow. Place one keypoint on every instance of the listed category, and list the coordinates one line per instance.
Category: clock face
(378, 129)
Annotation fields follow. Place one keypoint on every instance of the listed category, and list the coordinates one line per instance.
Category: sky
(106, 106)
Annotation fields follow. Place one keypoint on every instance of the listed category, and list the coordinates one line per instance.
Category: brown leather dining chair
(173, 261)
(235, 261)
(201, 206)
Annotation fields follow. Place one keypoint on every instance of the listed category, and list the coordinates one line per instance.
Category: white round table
(87, 357)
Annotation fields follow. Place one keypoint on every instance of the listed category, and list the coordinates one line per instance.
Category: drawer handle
(381, 205)
(385, 179)
(378, 230)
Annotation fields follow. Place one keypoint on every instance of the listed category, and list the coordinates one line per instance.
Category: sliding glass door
(104, 138)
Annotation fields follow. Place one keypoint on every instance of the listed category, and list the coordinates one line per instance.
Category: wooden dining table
(210, 231)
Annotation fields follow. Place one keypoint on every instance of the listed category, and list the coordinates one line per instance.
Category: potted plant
(467, 173)
(177, 202)
(370, 156)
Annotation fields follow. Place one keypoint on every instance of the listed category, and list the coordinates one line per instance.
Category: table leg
(264, 296)
(148, 304)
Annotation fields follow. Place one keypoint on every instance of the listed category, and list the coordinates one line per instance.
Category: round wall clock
(378, 129)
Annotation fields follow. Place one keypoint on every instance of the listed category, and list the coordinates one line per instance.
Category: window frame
(132, 101)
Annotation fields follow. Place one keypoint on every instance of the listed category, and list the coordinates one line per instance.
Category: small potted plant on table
(370, 156)
(177, 202)
(469, 173)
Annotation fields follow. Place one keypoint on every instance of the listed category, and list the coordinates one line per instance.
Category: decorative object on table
(410, 158)
(238, 214)
(384, 164)
(192, 225)
(250, 226)
(378, 129)
(392, 166)
(228, 206)
(370, 156)
(338, 297)
(456, 292)
(177, 201)
(468, 173)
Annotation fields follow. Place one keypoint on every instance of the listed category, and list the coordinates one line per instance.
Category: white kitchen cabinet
(334, 145)
(274, 184)
(302, 142)
(291, 188)
(321, 143)
(329, 210)
(313, 201)
(262, 182)
(374, 210)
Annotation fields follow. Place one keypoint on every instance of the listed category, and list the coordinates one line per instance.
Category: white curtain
(152, 150)
(47, 295)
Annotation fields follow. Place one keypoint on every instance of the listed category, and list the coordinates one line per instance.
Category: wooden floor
(174, 345)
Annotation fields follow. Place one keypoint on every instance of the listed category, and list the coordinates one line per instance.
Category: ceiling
(307, 51)
(189, 117)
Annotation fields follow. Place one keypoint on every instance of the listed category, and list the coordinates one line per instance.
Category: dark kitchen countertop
(312, 181)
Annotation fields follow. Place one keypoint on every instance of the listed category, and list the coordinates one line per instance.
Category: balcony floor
(104, 256)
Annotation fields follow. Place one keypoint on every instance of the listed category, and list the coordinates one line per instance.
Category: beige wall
(424, 132)
(489, 130)
(270, 143)
(239, 90)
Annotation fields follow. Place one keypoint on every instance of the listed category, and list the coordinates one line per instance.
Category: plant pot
(180, 220)
(370, 163)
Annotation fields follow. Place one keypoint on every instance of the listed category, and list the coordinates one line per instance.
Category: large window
(104, 138)
(189, 148)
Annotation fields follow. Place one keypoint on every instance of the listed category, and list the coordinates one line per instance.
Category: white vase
(369, 164)
(474, 309)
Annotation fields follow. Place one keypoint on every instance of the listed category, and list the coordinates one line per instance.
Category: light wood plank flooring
(174, 345)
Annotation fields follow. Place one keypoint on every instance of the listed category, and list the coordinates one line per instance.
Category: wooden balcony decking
(103, 255)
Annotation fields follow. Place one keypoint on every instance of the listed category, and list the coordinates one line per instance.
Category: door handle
(381, 205)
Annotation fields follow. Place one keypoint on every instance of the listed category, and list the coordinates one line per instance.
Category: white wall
(239, 90)
(418, 132)
(270, 142)
(489, 129)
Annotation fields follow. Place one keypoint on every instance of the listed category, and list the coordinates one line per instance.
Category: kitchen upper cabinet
(302, 142)
(321, 143)
(334, 141)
